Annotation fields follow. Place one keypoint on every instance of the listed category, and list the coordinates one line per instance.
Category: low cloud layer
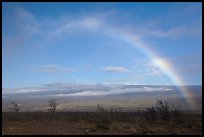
(71, 89)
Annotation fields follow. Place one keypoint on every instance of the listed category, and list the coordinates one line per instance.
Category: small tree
(100, 109)
(52, 105)
(163, 109)
(16, 106)
(103, 119)
(165, 112)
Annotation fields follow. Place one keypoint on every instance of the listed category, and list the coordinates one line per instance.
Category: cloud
(83, 23)
(20, 30)
(30, 24)
(70, 89)
(22, 23)
(132, 79)
(118, 69)
(152, 69)
(92, 22)
(175, 32)
(23, 90)
(146, 68)
(174, 24)
(54, 68)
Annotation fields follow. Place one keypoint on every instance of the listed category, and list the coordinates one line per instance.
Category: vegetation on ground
(157, 120)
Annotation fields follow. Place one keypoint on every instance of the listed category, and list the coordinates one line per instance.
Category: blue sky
(106, 43)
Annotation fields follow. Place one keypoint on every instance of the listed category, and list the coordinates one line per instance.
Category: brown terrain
(98, 123)
(81, 128)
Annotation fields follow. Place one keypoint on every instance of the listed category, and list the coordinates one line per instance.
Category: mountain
(127, 96)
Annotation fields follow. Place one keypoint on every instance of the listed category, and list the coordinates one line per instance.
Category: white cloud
(50, 68)
(146, 68)
(91, 23)
(84, 23)
(70, 89)
(28, 21)
(151, 69)
(115, 69)
(32, 25)
(20, 30)
(23, 90)
(23, 23)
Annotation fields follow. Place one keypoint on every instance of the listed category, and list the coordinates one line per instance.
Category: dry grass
(129, 123)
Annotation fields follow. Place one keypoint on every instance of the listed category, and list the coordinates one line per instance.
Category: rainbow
(164, 65)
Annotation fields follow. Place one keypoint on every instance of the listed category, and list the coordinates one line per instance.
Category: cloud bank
(74, 89)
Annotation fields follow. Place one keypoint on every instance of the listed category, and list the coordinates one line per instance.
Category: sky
(101, 43)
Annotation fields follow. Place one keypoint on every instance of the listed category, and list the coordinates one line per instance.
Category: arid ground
(99, 123)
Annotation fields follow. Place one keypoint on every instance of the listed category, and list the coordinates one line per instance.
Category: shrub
(151, 114)
(177, 114)
(52, 105)
(16, 107)
(163, 110)
(103, 118)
